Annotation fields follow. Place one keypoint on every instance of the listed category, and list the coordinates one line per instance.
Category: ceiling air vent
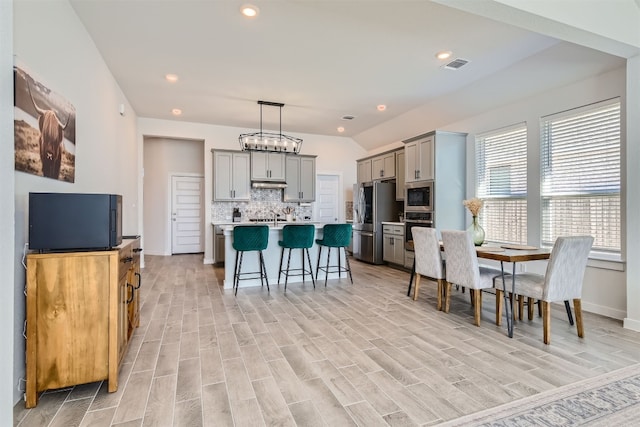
(348, 117)
(456, 64)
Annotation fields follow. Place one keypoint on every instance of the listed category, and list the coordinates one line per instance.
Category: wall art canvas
(44, 129)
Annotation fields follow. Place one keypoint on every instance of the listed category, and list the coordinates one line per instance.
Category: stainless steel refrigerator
(373, 203)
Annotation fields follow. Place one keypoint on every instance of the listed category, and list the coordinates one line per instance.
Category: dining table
(511, 254)
(506, 253)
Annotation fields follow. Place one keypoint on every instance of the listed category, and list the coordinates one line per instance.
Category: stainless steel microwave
(418, 196)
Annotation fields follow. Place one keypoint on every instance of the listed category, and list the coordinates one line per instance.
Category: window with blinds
(501, 177)
(580, 173)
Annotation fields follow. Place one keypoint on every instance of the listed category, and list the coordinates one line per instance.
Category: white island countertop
(392, 223)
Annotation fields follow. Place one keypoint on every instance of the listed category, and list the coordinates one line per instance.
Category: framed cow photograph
(44, 129)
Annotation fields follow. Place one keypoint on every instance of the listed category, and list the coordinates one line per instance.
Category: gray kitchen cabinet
(231, 175)
(383, 166)
(267, 166)
(364, 171)
(393, 243)
(419, 159)
(400, 176)
(301, 178)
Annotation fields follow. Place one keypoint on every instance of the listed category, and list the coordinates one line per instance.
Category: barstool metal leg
(318, 265)
(346, 258)
(263, 269)
(239, 271)
(286, 275)
(280, 265)
(310, 270)
(236, 276)
(327, 270)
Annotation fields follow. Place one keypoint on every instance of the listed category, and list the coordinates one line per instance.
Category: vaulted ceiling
(325, 60)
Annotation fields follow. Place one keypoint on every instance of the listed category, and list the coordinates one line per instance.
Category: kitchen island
(272, 257)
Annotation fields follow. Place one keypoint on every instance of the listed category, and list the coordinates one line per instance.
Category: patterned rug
(611, 399)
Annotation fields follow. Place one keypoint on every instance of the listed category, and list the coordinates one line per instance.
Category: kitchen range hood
(269, 184)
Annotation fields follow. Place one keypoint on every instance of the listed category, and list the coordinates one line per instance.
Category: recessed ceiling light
(171, 78)
(340, 129)
(445, 54)
(176, 111)
(382, 107)
(249, 10)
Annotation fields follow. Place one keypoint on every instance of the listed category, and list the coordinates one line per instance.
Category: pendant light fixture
(269, 141)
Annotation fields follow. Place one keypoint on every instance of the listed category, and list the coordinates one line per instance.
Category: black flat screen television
(74, 221)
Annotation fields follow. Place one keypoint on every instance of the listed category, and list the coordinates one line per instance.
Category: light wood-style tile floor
(362, 354)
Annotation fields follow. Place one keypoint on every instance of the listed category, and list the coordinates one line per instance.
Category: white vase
(289, 217)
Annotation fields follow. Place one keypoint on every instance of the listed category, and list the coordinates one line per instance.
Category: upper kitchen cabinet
(301, 178)
(419, 158)
(267, 166)
(231, 175)
(384, 166)
(364, 170)
(400, 175)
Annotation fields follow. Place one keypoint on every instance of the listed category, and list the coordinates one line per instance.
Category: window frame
(484, 181)
(586, 192)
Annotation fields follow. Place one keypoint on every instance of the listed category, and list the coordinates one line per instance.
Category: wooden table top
(512, 255)
(498, 253)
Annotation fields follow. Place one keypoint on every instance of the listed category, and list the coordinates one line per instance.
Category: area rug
(611, 399)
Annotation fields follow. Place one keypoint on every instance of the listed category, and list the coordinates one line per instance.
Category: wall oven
(416, 219)
(418, 196)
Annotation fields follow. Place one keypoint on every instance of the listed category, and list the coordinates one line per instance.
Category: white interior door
(328, 205)
(187, 231)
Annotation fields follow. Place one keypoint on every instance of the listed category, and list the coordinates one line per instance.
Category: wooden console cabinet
(82, 308)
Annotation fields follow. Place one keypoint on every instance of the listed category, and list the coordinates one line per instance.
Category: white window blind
(580, 172)
(501, 177)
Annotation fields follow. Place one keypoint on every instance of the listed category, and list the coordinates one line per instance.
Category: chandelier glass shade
(270, 141)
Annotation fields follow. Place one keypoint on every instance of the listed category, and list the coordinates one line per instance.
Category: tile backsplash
(264, 202)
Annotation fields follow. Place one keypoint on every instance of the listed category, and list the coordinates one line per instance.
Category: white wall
(52, 44)
(8, 391)
(335, 154)
(163, 157)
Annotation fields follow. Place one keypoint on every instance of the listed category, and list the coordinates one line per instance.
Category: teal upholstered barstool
(248, 238)
(334, 236)
(296, 237)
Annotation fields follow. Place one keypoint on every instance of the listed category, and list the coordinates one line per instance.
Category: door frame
(341, 204)
(169, 231)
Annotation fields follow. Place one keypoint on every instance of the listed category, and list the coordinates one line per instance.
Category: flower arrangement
(474, 205)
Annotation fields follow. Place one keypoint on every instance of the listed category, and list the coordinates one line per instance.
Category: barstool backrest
(298, 236)
(336, 235)
(250, 237)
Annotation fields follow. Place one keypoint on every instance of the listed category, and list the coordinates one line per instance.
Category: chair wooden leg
(577, 307)
(477, 306)
(498, 307)
(539, 308)
(546, 321)
(416, 287)
(520, 306)
(472, 297)
(530, 304)
(440, 290)
(447, 296)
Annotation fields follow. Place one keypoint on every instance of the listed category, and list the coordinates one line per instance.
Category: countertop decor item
(477, 232)
(269, 141)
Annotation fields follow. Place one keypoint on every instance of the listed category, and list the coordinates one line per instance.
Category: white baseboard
(208, 261)
(632, 324)
(604, 311)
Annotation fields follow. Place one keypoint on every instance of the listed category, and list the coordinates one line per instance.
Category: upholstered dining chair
(463, 268)
(428, 263)
(562, 280)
